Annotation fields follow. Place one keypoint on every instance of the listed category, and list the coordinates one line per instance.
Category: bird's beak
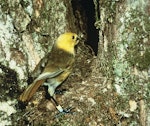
(77, 40)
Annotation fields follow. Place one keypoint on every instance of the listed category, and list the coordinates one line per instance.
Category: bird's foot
(62, 112)
(60, 91)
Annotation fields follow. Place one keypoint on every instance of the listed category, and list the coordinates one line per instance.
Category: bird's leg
(51, 91)
(60, 109)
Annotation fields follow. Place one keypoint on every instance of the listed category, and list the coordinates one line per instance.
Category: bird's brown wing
(32, 88)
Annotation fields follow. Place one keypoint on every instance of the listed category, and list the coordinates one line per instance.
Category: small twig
(142, 113)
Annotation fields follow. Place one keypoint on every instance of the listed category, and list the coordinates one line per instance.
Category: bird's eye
(73, 37)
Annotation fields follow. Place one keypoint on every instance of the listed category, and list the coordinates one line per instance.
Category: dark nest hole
(84, 11)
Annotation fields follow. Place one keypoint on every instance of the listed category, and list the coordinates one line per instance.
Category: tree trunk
(124, 58)
(28, 30)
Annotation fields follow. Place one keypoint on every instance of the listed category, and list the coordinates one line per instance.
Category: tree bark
(124, 55)
(28, 30)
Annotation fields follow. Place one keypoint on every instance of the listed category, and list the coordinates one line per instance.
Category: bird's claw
(68, 110)
(65, 111)
(60, 91)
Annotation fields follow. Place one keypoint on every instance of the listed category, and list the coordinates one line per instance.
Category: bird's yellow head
(67, 42)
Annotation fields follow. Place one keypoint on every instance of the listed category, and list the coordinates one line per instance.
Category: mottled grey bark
(124, 54)
(28, 29)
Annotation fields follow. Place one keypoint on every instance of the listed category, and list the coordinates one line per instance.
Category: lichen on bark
(123, 50)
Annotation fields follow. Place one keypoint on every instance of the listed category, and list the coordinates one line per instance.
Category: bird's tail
(29, 92)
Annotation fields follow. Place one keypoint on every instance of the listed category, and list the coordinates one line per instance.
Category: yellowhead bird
(55, 68)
